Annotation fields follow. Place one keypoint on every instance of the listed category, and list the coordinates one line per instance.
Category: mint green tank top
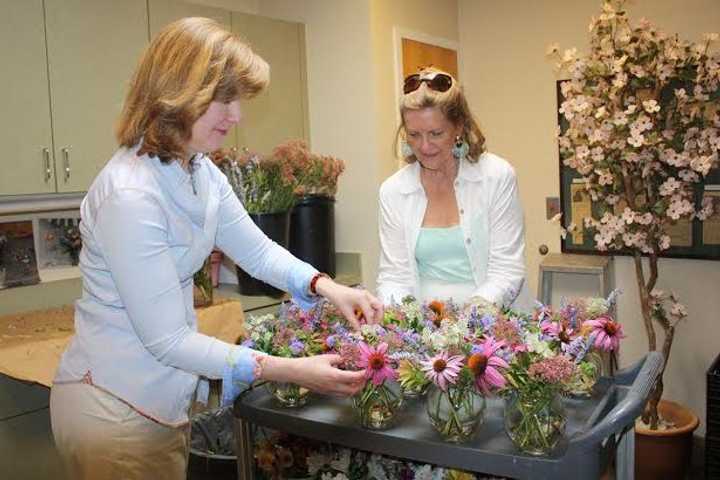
(440, 255)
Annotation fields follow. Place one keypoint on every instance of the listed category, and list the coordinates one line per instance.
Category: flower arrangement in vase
(463, 364)
(290, 333)
(583, 329)
(312, 226)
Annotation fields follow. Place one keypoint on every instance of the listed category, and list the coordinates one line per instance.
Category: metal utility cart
(597, 427)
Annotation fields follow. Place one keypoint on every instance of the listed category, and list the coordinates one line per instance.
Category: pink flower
(441, 369)
(375, 362)
(484, 363)
(554, 370)
(608, 333)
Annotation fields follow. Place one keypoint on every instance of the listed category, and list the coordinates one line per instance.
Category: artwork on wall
(58, 242)
(18, 264)
(688, 238)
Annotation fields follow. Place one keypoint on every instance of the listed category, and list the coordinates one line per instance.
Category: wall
(351, 96)
(424, 17)
(513, 93)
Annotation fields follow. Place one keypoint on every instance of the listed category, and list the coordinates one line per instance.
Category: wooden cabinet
(66, 64)
(93, 47)
(25, 130)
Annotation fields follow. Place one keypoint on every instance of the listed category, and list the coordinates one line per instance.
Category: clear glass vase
(377, 406)
(455, 413)
(415, 391)
(535, 422)
(586, 376)
(288, 395)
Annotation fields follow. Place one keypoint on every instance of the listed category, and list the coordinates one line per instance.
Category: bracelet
(259, 365)
(313, 282)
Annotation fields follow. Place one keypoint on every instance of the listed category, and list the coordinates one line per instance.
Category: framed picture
(689, 238)
(18, 264)
(58, 245)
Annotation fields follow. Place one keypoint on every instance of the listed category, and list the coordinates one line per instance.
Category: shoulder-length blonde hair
(190, 63)
(452, 104)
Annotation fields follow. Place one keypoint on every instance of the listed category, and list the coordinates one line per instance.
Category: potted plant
(643, 126)
(265, 186)
(312, 224)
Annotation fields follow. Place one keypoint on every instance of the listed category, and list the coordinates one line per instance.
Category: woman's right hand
(318, 373)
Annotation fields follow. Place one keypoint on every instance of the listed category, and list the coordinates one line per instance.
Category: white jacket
(491, 219)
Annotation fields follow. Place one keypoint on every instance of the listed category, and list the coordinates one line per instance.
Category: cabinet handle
(66, 162)
(46, 164)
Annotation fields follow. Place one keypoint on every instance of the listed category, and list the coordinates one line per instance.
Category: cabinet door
(93, 47)
(279, 113)
(25, 135)
(163, 12)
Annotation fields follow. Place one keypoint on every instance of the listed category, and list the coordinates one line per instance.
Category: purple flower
(296, 346)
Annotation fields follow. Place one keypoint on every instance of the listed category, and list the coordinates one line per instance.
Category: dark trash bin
(212, 446)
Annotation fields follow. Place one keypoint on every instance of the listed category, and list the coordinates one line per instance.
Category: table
(31, 343)
(596, 427)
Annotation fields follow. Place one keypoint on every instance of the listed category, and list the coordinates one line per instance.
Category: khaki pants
(99, 437)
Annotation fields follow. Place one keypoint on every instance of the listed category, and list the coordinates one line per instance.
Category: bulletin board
(689, 238)
(417, 54)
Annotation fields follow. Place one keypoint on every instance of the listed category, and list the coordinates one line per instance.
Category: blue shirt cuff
(238, 373)
(299, 285)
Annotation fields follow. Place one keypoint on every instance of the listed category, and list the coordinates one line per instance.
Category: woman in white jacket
(451, 223)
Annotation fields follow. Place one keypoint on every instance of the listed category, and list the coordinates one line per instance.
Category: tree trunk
(650, 414)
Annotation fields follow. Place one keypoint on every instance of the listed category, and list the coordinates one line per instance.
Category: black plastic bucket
(277, 227)
(212, 446)
(312, 232)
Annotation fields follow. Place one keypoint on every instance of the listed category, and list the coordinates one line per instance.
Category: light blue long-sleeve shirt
(146, 229)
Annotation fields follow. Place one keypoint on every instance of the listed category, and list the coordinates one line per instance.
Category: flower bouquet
(290, 333)
(408, 315)
(315, 175)
(378, 350)
(582, 329)
(378, 403)
(463, 365)
(534, 414)
(263, 184)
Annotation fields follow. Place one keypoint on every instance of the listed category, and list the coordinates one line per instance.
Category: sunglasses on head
(439, 83)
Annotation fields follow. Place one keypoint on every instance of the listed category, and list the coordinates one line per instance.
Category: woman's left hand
(354, 303)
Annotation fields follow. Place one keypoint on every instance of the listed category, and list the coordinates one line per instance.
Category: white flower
(636, 141)
(711, 37)
(552, 49)
(669, 187)
(536, 345)
(678, 310)
(569, 55)
(664, 242)
(651, 106)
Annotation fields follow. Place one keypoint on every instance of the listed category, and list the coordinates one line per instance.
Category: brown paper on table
(31, 343)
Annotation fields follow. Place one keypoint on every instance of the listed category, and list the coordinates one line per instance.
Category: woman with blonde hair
(121, 397)
(451, 223)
